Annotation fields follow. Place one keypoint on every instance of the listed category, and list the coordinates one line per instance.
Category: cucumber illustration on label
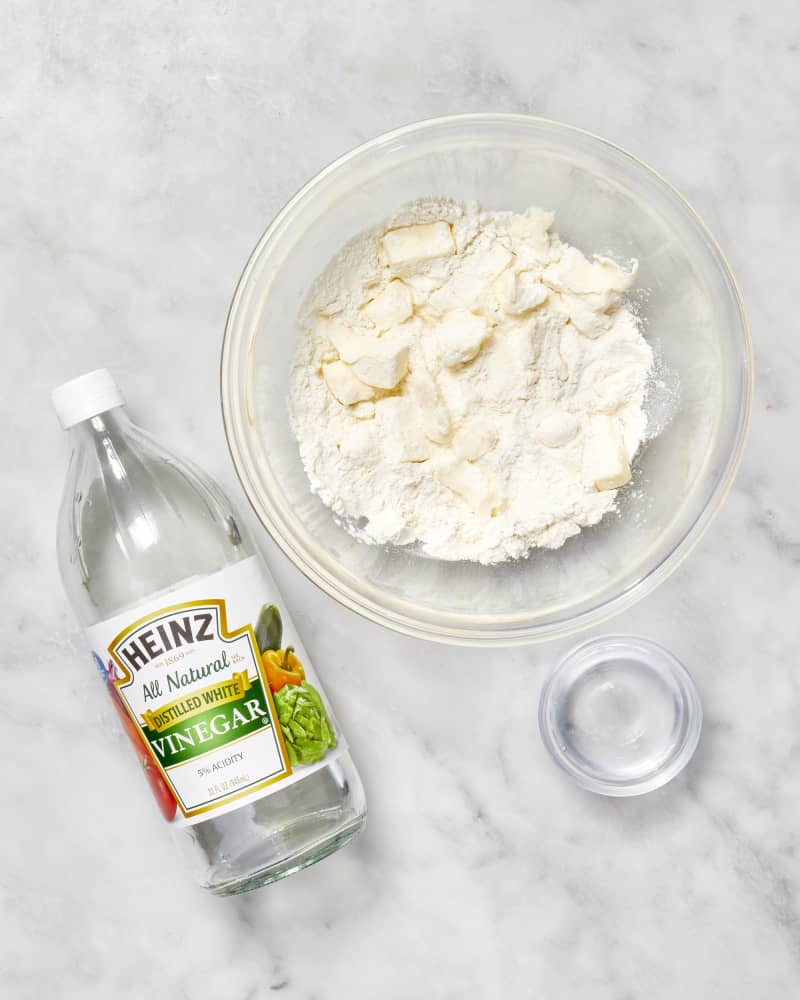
(206, 672)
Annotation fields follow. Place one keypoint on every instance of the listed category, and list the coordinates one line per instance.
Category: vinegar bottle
(202, 663)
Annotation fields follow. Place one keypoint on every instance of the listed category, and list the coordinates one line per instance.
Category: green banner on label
(213, 728)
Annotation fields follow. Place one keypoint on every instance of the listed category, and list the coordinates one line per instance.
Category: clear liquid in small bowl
(621, 715)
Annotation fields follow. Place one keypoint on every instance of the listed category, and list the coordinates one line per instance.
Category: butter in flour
(469, 383)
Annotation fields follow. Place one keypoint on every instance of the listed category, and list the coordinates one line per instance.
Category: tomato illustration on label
(160, 789)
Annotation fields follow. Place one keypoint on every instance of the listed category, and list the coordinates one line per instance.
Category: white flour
(468, 382)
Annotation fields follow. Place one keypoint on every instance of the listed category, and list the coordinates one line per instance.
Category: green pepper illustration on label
(216, 713)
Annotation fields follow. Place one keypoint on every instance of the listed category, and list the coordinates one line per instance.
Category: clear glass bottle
(143, 536)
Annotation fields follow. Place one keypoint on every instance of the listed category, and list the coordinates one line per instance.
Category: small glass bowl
(621, 715)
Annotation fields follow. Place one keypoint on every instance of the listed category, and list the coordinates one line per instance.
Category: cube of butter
(460, 336)
(605, 459)
(528, 294)
(392, 307)
(472, 483)
(423, 241)
(379, 361)
(344, 385)
(473, 439)
(557, 429)
(404, 437)
(349, 344)
(587, 320)
(384, 364)
(432, 412)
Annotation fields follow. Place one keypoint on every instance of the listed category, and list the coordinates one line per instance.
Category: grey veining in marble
(143, 148)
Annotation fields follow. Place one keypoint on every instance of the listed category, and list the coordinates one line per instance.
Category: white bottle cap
(86, 396)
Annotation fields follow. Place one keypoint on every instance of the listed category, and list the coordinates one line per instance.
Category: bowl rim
(463, 634)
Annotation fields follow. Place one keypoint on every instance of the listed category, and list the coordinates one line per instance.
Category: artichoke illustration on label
(307, 730)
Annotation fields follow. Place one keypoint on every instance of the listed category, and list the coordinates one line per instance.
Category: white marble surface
(144, 146)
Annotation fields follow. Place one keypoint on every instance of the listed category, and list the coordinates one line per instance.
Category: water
(621, 720)
(621, 715)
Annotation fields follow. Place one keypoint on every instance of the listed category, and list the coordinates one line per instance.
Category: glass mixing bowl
(605, 201)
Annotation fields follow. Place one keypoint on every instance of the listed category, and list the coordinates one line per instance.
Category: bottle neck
(112, 423)
(113, 439)
(135, 519)
(107, 434)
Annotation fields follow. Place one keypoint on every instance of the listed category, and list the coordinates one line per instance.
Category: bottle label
(216, 693)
